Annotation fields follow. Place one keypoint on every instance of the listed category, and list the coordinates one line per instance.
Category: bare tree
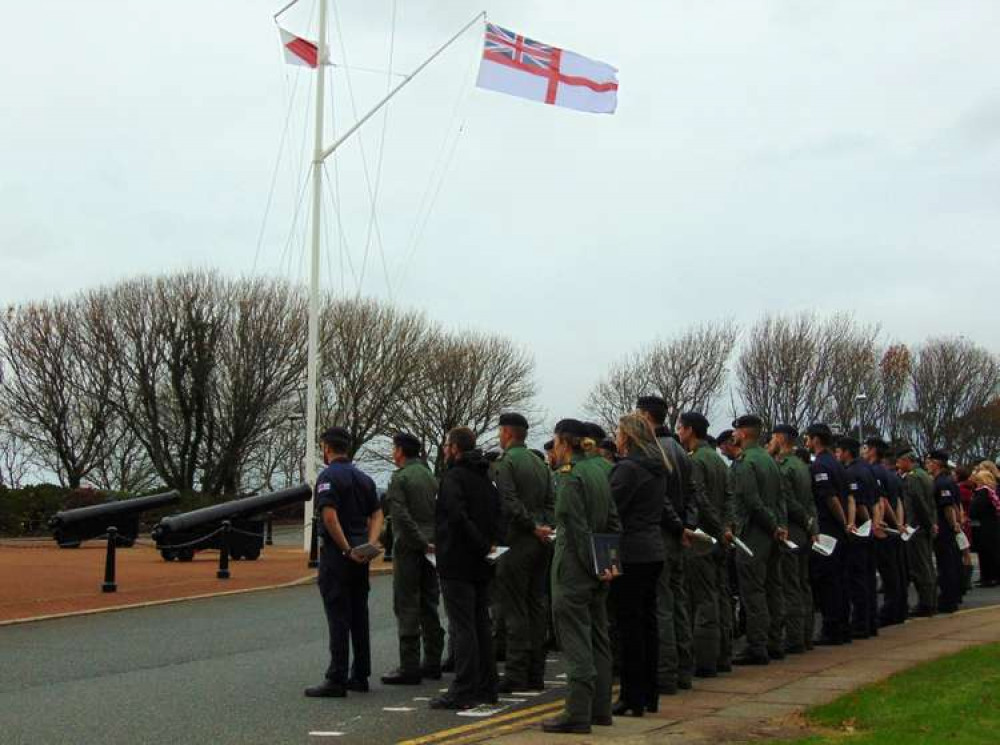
(953, 381)
(373, 357)
(56, 392)
(467, 379)
(688, 372)
(895, 369)
(781, 371)
(15, 455)
(850, 357)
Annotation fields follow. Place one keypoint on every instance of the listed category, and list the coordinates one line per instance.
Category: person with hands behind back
(350, 516)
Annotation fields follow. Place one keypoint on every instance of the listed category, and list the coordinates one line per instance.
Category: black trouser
(861, 573)
(892, 570)
(949, 567)
(830, 587)
(343, 585)
(467, 605)
(635, 605)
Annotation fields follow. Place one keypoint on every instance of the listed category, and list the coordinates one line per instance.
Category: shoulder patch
(324, 486)
(946, 492)
(854, 486)
(567, 468)
(821, 477)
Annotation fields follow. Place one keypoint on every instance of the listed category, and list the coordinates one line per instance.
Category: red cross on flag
(298, 51)
(523, 67)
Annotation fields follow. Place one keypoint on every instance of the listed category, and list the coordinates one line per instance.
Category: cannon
(70, 528)
(178, 537)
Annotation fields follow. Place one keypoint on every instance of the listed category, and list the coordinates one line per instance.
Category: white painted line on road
(561, 676)
(398, 708)
(485, 710)
(326, 734)
(421, 698)
(528, 693)
(513, 700)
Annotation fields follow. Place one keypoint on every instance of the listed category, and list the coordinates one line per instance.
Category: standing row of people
(706, 548)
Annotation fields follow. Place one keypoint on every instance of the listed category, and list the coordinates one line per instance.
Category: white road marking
(421, 698)
(398, 708)
(326, 734)
(512, 700)
(528, 693)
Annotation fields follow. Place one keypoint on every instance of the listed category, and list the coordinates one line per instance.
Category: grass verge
(953, 700)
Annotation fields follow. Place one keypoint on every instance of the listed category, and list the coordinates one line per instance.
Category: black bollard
(269, 538)
(109, 562)
(223, 572)
(314, 544)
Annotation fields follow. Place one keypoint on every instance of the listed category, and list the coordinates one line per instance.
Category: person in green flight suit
(527, 501)
(707, 573)
(758, 501)
(918, 507)
(802, 531)
(583, 507)
(415, 594)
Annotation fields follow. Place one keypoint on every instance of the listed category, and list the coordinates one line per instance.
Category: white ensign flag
(523, 67)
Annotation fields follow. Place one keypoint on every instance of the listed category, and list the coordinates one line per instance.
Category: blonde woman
(984, 514)
(638, 483)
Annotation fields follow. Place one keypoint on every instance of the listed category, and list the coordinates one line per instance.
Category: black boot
(327, 689)
(402, 678)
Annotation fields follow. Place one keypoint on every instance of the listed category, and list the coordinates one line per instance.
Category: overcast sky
(766, 156)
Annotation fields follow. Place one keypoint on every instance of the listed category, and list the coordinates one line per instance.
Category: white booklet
(792, 545)
(907, 534)
(962, 540)
(864, 530)
(703, 543)
(742, 546)
(497, 553)
(366, 551)
(433, 559)
(825, 544)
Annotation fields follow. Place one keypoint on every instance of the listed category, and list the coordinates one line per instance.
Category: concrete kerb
(376, 571)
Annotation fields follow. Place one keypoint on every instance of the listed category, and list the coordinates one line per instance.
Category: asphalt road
(224, 670)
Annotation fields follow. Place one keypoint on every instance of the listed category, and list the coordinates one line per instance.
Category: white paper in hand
(908, 533)
(433, 559)
(742, 546)
(864, 530)
(792, 545)
(962, 540)
(703, 543)
(825, 544)
(497, 553)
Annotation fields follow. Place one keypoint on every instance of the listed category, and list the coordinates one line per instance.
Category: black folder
(606, 548)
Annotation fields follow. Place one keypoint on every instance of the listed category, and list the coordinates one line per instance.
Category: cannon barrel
(112, 510)
(236, 509)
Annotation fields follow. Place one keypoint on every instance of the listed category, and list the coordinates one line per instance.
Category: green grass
(953, 700)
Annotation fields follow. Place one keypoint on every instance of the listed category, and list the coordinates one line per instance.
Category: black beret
(786, 429)
(652, 404)
(549, 445)
(748, 420)
(939, 455)
(905, 451)
(848, 443)
(819, 429)
(513, 419)
(404, 439)
(594, 431)
(608, 444)
(571, 427)
(724, 436)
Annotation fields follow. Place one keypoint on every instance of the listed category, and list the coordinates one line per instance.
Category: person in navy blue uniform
(829, 486)
(350, 516)
(888, 545)
(946, 551)
(863, 490)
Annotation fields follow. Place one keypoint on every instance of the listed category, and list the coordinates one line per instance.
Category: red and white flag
(298, 51)
(523, 67)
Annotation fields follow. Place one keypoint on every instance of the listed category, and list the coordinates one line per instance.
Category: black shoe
(511, 686)
(752, 659)
(327, 689)
(653, 705)
(860, 635)
(601, 721)
(776, 654)
(358, 686)
(399, 678)
(948, 609)
(921, 612)
(667, 690)
(562, 726)
(795, 649)
(724, 668)
(448, 666)
(487, 698)
(704, 672)
(685, 684)
(431, 673)
(535, 685)
(625, 709)
(450, 703)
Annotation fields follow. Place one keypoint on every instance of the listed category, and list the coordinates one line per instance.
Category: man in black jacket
(467, 521)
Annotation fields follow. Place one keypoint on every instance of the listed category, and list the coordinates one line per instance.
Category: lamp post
(860, 401)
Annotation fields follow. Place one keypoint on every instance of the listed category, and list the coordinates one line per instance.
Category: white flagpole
(312, 367)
